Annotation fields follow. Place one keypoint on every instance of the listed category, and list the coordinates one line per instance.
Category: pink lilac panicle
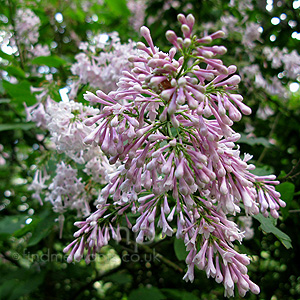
(168, 125)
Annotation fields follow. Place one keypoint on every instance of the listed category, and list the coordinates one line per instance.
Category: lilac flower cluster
(168, 126)
(101, 63)
(27, 26)
(137, 9)
(64, 121)
(248, 34)
(65, 192)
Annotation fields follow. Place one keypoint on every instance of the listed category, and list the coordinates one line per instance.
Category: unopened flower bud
(181, 18)
(171, 36)
(190, 20)
(218, 34)
(185, 30)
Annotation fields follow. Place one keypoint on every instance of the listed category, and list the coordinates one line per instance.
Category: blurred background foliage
(32, 264)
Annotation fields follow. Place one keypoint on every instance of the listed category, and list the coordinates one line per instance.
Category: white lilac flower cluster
(64, 121)
(137, 9)
(66, 191)
(242, 6)
(85, 5)
(27, 26)
(40, 50)
(279, 59)
(168, 126)
(25, 34)
(101, 63)
(282, 58)
(250, 33)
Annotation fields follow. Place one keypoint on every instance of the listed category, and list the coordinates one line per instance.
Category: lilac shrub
(168, 130)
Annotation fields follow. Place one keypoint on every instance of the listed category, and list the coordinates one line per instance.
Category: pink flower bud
(166, 94)
(190, 20)
(222, 69)
(93, 98)
(233, 80)
(179, 170)
(205, 40)
(218, 34)
(145, 32)
(79, 252)
(172, 106)
(181, 18)
(172, 38)
(219, 49)
(186, 30)
(175, 121)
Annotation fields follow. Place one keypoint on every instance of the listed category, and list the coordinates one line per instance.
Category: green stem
(22, 64)
(169, 130)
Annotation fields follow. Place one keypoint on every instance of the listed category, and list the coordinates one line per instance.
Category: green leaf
(188, 295)
(22, 126)
(20, 283)
(20, 92)
(28, 227)
(254, 141)
(2, 90)
(6, 288)
(287, 190)
(146, 294)
(118, 7)
(16, 72)
(45, 225)
(119, 278)
(50, 61)
(265, 170)
(27, 286)
(179, 295)
(6, 56)
(180, 249)
(267, 225)
(75, 15)
(10, 224)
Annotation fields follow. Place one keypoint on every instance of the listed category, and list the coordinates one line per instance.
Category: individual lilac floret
(38, 185)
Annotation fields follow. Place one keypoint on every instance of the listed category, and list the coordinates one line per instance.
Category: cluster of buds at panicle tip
(92, 235)
(168, 125)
